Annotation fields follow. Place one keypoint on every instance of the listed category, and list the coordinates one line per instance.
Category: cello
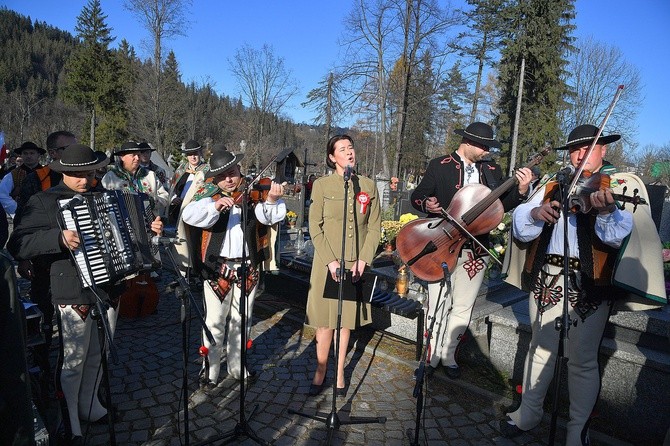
(426, 243)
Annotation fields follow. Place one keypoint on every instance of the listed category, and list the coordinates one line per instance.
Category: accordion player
(114, 229)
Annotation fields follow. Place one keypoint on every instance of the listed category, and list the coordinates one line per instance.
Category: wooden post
(517, 117)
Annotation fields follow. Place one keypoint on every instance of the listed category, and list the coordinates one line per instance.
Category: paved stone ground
(146, 386)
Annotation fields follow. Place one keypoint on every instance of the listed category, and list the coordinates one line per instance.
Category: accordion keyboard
(90, 253)
(114, 242)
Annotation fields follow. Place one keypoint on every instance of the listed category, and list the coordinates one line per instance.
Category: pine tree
(420, 116)
(325, 101)
(483, 37)
(174, 105)
(92, 72)
(455, 97)
(539, 34)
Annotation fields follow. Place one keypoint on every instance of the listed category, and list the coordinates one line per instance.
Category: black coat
(37, 235)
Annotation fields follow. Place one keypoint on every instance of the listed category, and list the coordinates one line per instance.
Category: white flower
(499, 249)
(501, 226)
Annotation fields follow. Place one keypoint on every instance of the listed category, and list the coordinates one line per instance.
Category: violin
(259, 191)
(587, 183)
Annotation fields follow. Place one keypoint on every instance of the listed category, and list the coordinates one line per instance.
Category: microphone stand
(99, 313)
(421, 370)
(242, 427)
(332, 420)
(183, 292)
(562, 323)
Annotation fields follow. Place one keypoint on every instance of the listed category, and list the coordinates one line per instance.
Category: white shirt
(203, 214)
(611, 229)
(470, 174)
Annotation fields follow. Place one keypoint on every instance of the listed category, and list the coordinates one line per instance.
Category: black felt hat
(145, 146)
(585, 134)
(79, 158)
(29, 145)
(222, 160)
(131, 146)
(479, 132)
(191, 146)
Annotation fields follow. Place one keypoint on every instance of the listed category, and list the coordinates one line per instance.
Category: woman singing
(363, 230)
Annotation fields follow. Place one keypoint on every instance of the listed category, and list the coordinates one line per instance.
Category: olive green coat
(362, 238)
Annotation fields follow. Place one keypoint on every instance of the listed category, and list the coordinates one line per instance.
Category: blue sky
(305, 34)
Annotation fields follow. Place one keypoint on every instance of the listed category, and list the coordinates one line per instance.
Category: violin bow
(580, 169)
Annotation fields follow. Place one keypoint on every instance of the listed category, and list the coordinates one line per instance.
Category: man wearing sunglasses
(43, 177)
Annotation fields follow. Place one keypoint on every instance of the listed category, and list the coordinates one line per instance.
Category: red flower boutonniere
(364, 200)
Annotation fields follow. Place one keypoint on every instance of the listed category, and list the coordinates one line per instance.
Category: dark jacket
(16, 415)
(37, 235)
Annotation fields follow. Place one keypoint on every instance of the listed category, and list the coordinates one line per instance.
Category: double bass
(426, 243)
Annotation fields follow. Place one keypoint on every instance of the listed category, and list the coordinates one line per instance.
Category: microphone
(74, 201)
(445, 270)
(565, 173)
(159, 240)
(348, 171)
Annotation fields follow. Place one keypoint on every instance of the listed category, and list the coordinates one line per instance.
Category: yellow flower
(291, 215)
(390, 228)
(406, 218)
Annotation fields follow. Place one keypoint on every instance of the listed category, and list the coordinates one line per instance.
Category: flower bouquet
(391, 228)
(291, 219)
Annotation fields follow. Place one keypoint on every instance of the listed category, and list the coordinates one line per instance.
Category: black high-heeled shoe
(341, 391)
(316, 389)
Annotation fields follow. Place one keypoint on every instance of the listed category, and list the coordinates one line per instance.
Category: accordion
(114, 230)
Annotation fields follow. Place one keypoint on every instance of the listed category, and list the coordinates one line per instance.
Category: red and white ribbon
(364, 199)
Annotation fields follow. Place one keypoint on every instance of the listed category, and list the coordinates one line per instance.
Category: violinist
(216, 239)
(444, 177)
(594, 243)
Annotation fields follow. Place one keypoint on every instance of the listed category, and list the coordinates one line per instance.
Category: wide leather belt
(231, 259)
(556, 260)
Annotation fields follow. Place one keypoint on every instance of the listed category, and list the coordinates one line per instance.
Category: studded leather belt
(556, 260)
(231, 259)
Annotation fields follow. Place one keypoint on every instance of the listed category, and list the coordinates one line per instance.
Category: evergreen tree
(325, 101)
(92, 74)
(483, 37)
(420, 117)
(455, 97)
(539, 34)
(31, 60)
(172, 114)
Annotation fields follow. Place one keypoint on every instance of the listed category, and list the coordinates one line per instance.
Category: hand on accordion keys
(70, 239)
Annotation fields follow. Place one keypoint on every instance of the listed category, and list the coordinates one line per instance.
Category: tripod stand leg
(105, 370)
